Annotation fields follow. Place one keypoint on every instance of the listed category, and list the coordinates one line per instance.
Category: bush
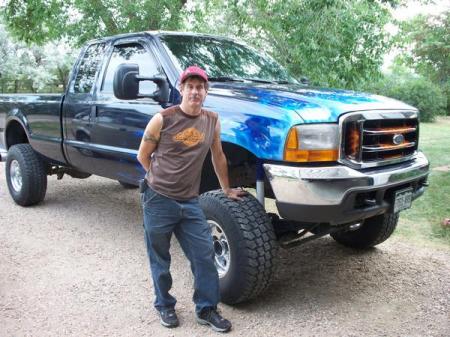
(416, 91)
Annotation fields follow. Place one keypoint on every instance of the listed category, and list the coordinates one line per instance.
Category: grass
(423, 222)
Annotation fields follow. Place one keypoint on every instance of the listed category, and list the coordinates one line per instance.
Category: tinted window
(132, 53)
(88, 67)
(223, 58)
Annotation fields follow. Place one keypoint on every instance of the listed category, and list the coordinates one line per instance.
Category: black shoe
(211, 317)
(169, 318)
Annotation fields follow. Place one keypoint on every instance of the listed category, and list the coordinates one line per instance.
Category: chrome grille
(378, 138)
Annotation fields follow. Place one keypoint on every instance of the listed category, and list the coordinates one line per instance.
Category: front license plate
(402, 200)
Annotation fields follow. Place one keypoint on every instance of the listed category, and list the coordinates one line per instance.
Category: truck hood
(313, 105)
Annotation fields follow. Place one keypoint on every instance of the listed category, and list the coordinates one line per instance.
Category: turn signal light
(292, 140)
(294, 154)
(310, 155)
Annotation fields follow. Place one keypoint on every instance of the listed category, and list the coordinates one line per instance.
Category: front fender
(260, 129)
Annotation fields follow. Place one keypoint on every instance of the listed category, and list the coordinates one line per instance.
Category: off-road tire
(127, 185)
(252, 244)
(372, 232)
(33, 175)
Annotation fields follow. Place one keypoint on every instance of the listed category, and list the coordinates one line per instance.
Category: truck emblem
(398, 139)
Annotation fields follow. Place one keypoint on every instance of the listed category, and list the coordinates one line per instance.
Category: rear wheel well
(15, 134)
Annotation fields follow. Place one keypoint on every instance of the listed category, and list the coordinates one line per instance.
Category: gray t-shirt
(176, 164)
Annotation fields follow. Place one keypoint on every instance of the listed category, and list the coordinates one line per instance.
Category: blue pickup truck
(337, 162)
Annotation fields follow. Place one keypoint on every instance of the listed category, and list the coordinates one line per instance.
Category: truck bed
(42, 123)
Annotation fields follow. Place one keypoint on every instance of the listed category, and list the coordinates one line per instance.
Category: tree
(41, 21)
(425, 43)
(33, 68)
(336, 43)
(405, 85)
(58, 60)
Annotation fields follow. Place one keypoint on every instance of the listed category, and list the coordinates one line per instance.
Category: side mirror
(126, 84)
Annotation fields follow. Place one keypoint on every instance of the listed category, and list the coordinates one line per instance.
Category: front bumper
(3, 154)
(338, 194)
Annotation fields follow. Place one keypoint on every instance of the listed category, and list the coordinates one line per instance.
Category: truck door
(119, 124)
(79, 108)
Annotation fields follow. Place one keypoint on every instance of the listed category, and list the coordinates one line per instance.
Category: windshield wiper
(258, 80)
(225, 79)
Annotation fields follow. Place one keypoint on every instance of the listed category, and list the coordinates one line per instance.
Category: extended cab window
(132, 53)
(88, 68)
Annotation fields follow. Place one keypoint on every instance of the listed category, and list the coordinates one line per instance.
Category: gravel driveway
(76, 265)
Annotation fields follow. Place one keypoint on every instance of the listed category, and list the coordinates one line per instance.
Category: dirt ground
(76, 265)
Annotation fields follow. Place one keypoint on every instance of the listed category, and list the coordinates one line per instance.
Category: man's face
(193, 92)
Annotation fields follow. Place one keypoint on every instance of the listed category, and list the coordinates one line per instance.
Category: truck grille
(368, 141)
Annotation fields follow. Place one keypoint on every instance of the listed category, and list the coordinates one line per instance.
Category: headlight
(311, 143)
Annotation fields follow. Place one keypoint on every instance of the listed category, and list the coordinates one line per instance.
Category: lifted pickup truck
(336, 162)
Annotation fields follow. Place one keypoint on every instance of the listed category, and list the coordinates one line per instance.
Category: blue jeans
(164, 216)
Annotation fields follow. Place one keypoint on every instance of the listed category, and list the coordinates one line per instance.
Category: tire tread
(374, 231)
(34, 176)
(257, 240)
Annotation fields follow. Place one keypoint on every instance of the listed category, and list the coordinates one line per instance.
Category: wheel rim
(222, 254)
(15, 175)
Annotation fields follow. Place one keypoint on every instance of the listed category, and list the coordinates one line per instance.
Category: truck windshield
(224, 60)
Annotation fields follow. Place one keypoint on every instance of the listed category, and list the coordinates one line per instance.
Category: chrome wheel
(16, 175)
(221, 248)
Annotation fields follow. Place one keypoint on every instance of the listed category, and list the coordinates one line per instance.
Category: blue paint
(261, 130)
(138, 134)
(258, 117)
(314, 105)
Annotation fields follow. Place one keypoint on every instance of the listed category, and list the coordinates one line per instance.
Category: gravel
(76, 265)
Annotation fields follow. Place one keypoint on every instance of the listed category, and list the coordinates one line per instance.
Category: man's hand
(235, 193)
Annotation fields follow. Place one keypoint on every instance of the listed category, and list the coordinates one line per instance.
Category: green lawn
(423, 221)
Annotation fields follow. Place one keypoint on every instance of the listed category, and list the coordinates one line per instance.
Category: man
(172, 151)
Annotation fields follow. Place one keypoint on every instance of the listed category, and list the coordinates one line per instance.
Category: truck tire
(372, 232)
(244, 243)
(25, 175)
(127, 185)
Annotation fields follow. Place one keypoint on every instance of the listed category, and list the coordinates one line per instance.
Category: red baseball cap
(193, 71)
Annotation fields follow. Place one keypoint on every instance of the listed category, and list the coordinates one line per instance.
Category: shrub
(414, 90)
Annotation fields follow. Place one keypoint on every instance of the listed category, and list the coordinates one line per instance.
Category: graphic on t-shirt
(190, 137)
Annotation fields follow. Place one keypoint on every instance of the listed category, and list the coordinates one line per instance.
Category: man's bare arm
(150, 138)
(150, 141)
(219, 161)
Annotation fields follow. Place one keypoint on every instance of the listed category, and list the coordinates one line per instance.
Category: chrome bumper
(3, 155)
(329, 186)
